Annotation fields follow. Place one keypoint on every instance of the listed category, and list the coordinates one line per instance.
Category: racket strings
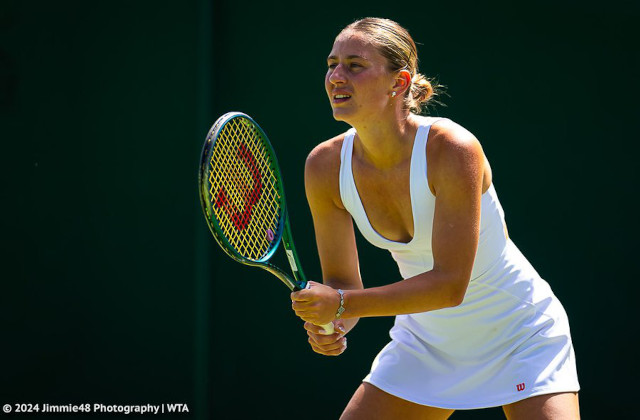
(244, 189)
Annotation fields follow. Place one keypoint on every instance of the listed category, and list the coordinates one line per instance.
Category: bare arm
(335, 239)
(456, 163)
(456, 174)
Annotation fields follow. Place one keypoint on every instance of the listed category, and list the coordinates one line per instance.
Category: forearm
(425, 292)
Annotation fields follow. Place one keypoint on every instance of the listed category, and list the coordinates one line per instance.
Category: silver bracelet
(341, 308)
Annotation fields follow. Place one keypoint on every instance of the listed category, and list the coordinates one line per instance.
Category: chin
(342, 115)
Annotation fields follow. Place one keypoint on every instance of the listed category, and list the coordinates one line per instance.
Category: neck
(385, 143)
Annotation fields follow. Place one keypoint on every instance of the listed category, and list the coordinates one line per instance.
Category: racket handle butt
(328, 328)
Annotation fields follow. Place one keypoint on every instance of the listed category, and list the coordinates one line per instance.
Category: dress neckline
(416, 143)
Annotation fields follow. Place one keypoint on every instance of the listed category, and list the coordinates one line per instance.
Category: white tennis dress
(508, 340)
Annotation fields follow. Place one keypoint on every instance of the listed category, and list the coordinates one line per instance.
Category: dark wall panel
(99, 208)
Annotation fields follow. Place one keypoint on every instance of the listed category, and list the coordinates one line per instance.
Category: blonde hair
(396, 45)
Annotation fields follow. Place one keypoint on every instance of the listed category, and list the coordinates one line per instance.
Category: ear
(402, 82)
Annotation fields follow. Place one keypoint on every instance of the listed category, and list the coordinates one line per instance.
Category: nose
(337, 75)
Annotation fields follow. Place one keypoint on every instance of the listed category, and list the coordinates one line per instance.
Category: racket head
(241, 189)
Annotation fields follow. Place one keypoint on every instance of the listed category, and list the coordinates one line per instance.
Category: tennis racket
(243, 200)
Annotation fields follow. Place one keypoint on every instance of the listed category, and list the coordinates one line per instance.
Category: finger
(307, 316)
(325, 340)
(313, 327)
(331, 350)
(302, 314)
(300, 295)
(300, 305)
(316, 329)
(321, 336)
(329, 353)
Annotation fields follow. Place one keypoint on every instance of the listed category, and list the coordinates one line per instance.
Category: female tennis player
(475, 324)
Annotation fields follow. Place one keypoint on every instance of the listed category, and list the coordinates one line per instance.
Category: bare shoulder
(322, 170)
(453, 152)
(325, 155)
(447, 134)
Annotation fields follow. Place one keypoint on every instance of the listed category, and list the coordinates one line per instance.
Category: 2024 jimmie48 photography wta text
(17, 409)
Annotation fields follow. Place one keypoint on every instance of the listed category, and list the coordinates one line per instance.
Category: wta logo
(242, 218)
(520, 387)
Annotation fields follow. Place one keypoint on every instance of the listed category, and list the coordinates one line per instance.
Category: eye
(332, 65)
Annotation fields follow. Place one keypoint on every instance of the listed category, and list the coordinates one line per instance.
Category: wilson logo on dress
(520, 387)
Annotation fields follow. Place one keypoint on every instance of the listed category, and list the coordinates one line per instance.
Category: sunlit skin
(360, 88)
(355, 68)
(382, 151)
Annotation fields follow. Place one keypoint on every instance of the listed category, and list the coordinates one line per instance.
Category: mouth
(341, 98)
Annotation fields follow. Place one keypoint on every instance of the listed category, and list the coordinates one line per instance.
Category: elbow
(457, 293)
(455, 300)
(450, 288)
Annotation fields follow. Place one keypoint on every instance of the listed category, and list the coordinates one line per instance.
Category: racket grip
(328, 328)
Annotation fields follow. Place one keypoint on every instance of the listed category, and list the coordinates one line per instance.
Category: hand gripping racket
(243, 200)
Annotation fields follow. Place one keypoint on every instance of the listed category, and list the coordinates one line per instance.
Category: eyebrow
(349, 57)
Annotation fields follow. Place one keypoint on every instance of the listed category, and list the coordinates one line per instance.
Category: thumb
(339, 326)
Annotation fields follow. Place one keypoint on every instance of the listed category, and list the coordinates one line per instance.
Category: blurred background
(113, 290)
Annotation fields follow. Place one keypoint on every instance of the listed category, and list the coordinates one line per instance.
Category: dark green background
(113, 290)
